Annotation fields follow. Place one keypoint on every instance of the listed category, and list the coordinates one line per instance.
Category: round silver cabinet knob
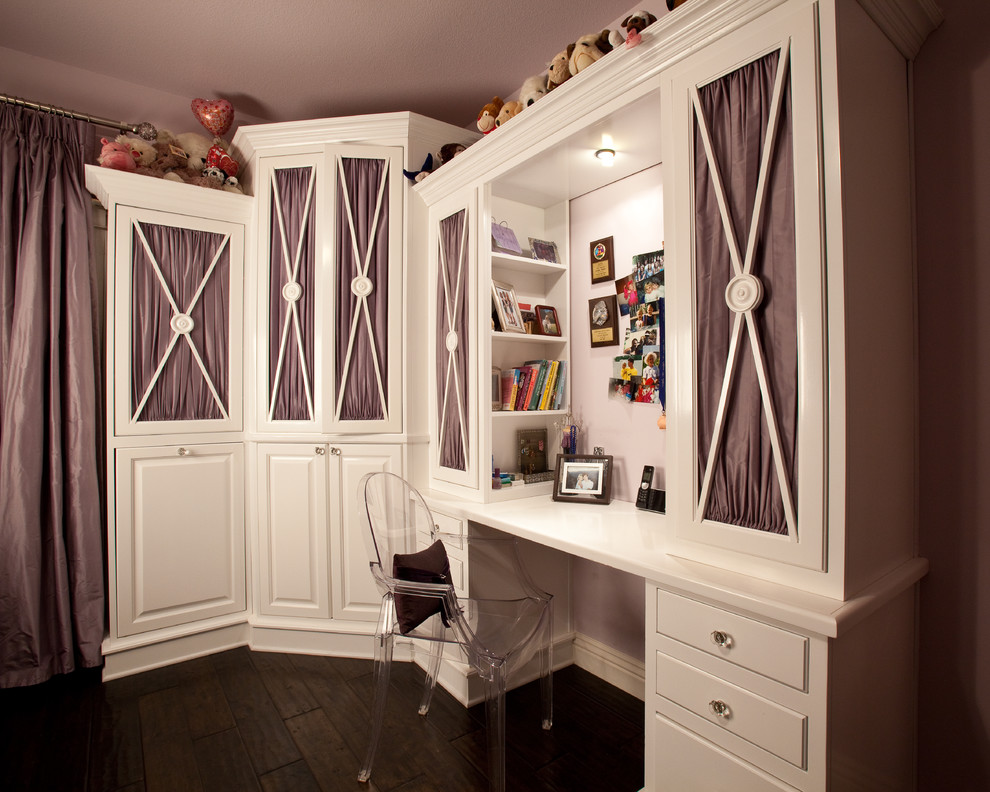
(722, 639)
(720, 709)
(320, 450)
(334, 451)
(183, 452)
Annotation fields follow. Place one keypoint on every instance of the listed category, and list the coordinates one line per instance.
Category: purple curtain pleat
(290, 402)
(358, 378)
(745, 489)
(181, 392)
(51, 522)
(451, 401)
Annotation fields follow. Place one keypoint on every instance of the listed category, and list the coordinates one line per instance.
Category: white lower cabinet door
(179, 535)
(354, 593)
(686, 762)
(293, 548)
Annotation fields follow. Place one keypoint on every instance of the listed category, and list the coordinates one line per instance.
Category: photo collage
(639, 373)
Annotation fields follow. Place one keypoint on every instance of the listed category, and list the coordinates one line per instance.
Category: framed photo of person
(603, 314)
(583, 479)
(507, 308)
(546, 320)
(602, 264)
(544, 251)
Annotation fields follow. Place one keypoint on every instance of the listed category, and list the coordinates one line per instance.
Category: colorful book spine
(510, 381)
(541, 377)
(549, 390)
(558, 403)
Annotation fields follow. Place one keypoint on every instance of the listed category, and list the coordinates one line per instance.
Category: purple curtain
(452, 401)
(290, 402)
(181, 392)
(745, 490)
(356, 375)
(51, 525)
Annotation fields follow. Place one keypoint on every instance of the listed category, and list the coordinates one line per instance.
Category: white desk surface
(629, 539)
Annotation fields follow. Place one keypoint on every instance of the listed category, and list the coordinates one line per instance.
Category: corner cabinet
(330, 296)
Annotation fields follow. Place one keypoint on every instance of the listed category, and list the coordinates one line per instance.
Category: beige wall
(952, 123)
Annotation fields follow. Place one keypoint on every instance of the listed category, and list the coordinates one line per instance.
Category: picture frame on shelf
(547, 322)
(602, 262)
(603, 316)
(507, 308)
(581, 478)
(544, 251)
(504, 239)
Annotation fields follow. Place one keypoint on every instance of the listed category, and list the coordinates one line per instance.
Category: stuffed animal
(509, 110)
(532, 89)
(197, 148)
(448, 151)
(558, 70)
(488, 114)
(117, 156)
(417, 176)
(634, 24)
(144, 151)
(586, 50)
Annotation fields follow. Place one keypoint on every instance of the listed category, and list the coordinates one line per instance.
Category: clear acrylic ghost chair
(496, 636)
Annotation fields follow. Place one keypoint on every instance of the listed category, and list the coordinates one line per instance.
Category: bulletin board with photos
(639, 372)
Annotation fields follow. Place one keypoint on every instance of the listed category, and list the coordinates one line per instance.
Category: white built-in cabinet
(174, 396)
(470, 436)
(255, 373)
(780, 625)
(312, 557)
(179, 535)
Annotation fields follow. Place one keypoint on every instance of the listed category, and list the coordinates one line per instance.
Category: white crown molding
(907, 23)
(113, 186)
(587, 96)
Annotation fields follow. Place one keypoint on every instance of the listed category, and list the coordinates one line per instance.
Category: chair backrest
(396, 513)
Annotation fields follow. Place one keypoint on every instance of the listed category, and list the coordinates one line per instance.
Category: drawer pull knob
(722, 639)
(334, 451)
(720, 709)
(320, 450)
(183, 452)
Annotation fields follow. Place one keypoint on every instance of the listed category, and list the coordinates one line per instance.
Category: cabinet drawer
(685, 762)
(775, 653)
(766, 724)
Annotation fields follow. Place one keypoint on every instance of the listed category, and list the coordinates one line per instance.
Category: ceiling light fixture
(605, 156)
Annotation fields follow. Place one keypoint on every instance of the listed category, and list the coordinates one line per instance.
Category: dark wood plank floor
(259, 722)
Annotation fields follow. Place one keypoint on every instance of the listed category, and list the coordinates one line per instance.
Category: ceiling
(286, 60)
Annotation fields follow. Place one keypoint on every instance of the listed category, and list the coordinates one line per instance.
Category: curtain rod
(144, 129)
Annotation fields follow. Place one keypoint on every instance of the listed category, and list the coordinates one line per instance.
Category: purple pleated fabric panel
(745, 490)
(452, 367)
(181, 392)
(358, 347)
(287, 385)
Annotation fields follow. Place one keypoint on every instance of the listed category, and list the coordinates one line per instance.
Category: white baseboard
(134, 659)
(614, 667)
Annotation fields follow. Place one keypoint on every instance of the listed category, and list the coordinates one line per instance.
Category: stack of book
(535, 385)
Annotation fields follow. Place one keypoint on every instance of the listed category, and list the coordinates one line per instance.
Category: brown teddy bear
(586, 50)
(558, 71)
(509, 110)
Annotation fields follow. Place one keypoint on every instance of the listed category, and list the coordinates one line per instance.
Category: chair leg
(432, 667)
(383, 665)
(495, 710)
(546, 670)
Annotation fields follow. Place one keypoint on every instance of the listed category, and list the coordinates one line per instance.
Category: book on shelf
(535, 385)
